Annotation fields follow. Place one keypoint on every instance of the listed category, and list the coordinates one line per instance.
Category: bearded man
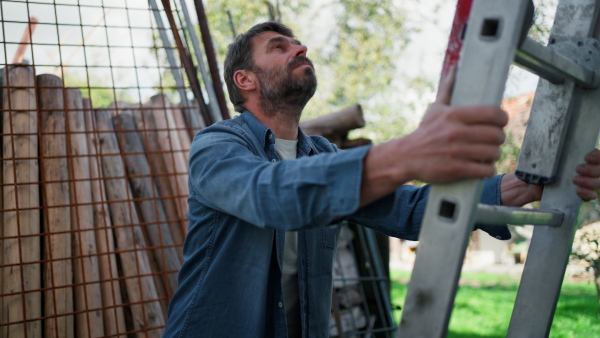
(266, 200)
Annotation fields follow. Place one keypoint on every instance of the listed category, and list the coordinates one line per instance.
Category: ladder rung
(553, 66)
(493, 214)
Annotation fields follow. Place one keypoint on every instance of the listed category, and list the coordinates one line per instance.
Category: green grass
(484, 303)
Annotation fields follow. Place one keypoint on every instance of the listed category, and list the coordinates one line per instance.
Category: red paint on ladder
(463, 9)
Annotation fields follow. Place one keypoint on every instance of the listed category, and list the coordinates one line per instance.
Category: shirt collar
(263, 134)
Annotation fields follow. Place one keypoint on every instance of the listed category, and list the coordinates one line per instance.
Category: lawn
(484, 303)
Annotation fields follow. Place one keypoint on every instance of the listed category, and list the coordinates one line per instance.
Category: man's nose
(300, 50)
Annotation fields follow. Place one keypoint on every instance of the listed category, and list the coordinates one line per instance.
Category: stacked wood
(146, 311)
(148, 204)
(170, 144)
(21, 254)
(161, 164)
(112, 182)
(113, 314)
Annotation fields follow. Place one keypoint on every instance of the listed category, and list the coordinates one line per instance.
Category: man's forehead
(265, 37)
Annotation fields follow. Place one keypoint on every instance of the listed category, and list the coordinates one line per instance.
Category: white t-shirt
(287, 149)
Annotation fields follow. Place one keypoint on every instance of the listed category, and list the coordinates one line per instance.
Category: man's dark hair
(239, 56)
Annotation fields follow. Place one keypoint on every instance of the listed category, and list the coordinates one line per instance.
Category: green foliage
(99, 91)
(362, 49)
(543, 18)
(509, 153)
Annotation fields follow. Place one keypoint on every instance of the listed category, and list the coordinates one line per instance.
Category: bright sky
(426, 52)
(113, 50)
(130, 49)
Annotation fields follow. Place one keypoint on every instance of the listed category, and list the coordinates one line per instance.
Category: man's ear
(245, 80)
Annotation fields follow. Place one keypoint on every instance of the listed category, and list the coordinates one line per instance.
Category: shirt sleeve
(401, 214)
(226, 174)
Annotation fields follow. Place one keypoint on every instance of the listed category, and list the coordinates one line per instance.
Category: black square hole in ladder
(447, 210)
(490, 28)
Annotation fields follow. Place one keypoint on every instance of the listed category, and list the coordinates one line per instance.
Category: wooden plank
(339, 122)
(172, 153)
(20, 174)
(58, 271)
(3, 329)
(148, 202)
(141, 290)
(88, 298)
(162, 176)
(114, 317)
(182, 132)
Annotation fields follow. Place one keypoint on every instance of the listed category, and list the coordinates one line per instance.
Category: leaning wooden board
(20, 171)
(58, 270)
(149, 134)
(88, 298)
(146, 312)
(147, 200)
(114, 317)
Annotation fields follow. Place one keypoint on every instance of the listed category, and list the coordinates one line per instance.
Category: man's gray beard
(285, 94)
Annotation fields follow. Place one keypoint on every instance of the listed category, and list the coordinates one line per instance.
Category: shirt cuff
(345, 178)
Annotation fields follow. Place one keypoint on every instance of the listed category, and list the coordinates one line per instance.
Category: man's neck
(283, 124)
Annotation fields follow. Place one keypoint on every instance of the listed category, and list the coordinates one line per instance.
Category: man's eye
(278, 47)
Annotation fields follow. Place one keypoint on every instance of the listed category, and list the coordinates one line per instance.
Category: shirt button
(280, 304)
(273, 160)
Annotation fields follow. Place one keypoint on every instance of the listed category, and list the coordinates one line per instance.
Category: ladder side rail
(550, 247)
(493, 33)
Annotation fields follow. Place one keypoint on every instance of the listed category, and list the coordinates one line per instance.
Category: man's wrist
(516, 193)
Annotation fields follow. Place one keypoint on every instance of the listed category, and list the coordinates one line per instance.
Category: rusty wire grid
(98, 112)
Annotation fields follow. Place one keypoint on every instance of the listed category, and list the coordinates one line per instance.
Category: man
(265, 199)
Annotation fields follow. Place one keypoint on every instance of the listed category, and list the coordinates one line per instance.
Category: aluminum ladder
(562, 128)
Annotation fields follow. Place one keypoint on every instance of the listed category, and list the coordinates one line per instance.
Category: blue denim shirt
(242, 200)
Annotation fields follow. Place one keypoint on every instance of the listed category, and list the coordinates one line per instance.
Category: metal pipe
(189, 68)
(553, 66)
(211, 57)
(208, 85)
(172, 62)
(494, 214)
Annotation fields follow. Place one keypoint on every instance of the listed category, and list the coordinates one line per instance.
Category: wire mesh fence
(100, 100)
(97, 121)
